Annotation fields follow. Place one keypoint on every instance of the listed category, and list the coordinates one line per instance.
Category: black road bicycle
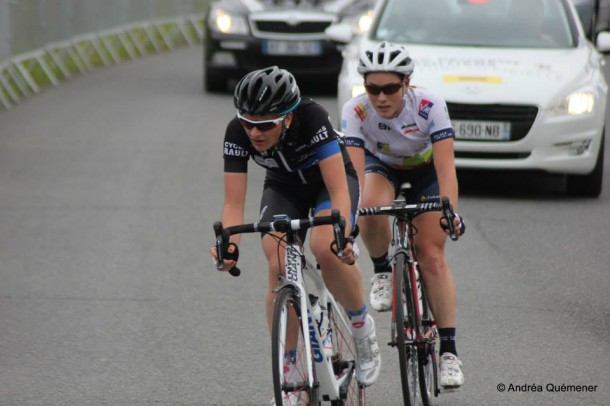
(413, 330)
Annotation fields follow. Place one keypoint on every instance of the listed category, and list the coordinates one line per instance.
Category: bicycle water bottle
(320, 315)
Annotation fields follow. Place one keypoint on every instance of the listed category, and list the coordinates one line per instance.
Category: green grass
(95, 58)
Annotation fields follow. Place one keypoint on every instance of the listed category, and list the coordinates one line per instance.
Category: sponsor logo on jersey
(442, 134)
(409, 128)
(384, 126)
(361, 112)
(424, 108)
(232, 149)
(383, 147)
(322, 134)
(266, 162)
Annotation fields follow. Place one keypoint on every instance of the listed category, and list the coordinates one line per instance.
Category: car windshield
(496, 23)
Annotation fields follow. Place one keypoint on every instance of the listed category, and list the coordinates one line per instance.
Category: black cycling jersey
(295, 158)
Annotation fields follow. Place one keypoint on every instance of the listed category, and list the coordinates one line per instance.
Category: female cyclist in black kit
(308, 171)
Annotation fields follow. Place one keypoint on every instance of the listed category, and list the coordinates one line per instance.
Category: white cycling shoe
(380, 297)
(451, 371)
(368, 362)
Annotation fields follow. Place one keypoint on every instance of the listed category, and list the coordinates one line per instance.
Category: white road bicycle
(325, 359)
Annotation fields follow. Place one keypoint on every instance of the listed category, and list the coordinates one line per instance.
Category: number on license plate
(481, 130)
(295, 48)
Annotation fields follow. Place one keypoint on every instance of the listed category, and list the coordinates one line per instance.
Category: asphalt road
(109, 185)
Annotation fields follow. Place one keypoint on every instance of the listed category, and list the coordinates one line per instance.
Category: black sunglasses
(385, 89)
(264, 125)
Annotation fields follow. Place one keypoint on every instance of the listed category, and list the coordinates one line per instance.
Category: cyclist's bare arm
(444, 165)
(335, 180)
(232, 212)
(356, 154)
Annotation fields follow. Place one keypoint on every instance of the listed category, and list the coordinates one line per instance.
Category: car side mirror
(340, 32)
(603, 42)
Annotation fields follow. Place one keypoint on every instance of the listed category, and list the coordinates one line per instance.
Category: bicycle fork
(314, 350)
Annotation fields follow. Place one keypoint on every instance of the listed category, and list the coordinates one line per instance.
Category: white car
(524, 86)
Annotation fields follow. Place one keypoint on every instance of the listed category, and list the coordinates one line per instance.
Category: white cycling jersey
(404, 142)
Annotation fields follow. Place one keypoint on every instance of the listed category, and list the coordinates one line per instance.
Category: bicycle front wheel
(428, 354)
(404, 310)
(293, 384)
(343, 355)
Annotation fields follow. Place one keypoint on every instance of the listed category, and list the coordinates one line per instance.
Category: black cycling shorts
(424, 183)
(302, 201)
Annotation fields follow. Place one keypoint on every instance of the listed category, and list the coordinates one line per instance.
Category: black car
(244, 35)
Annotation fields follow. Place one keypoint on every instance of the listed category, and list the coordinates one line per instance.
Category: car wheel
(588, 185)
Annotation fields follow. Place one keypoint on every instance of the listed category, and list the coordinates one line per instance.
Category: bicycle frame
(296, 267)
(402, 242)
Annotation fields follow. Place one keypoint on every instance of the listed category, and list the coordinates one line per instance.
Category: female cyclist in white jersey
(396, 133)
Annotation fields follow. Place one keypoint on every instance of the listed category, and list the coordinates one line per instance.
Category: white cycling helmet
(385, 57)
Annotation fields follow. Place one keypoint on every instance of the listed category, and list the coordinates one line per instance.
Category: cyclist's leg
(438, 279)
(379, 190)
(440, 285)
(278, 199)
(430, 246)
(344, 282)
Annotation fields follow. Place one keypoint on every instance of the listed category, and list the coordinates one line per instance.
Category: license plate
(481, 130)
(295, 48)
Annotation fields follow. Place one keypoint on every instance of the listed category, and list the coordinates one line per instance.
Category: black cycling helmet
(267, 91)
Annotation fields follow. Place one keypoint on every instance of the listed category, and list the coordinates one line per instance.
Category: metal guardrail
(25, 74)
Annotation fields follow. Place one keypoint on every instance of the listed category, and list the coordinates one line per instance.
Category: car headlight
(222, 21)
(577, 103)
(365, 21)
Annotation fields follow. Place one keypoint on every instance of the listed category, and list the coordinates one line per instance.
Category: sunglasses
(386, 89)
(264, 125)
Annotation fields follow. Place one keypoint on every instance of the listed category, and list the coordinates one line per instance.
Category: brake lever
(338, 244)
(448, 216)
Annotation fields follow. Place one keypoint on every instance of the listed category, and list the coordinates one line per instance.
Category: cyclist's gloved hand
(458, 225)
(350, 252)
(230, 257)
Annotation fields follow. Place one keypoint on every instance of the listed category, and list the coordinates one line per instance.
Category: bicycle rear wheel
(343, 356)
(292, 385)
(405, 332)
